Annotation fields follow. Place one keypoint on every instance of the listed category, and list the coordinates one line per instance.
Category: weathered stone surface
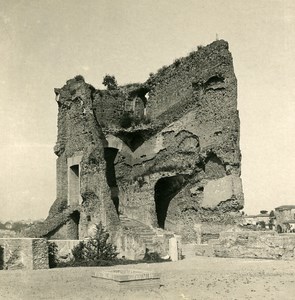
(245, 244)
(129, 245)
(24, 253)
(175, 248)
(250, 244)
(228, 188)
(128, 279)
(156, 152)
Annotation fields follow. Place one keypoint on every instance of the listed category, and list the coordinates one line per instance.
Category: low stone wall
(255, 244)
(129, 245)
(248, 244)
(24, 253)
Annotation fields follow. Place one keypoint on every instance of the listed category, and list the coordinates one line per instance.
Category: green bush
(79, 78)
(78, 252)
(110, 82)
(96, 250)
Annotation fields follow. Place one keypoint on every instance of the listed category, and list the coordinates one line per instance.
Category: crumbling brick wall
(177, 155)
(193, 109)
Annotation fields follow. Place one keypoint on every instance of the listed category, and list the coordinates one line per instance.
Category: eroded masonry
(161, 154)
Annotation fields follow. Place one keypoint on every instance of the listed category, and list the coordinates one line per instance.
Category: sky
(44, 43)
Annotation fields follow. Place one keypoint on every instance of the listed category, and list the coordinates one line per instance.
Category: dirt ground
(197, 278)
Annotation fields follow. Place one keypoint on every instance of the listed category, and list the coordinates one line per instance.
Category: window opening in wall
(74, 185)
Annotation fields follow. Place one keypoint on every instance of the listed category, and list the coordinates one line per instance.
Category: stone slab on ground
(128, 279)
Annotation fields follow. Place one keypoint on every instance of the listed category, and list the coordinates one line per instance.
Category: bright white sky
(44, 43)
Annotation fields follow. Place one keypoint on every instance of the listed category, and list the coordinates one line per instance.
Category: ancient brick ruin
(161, 154)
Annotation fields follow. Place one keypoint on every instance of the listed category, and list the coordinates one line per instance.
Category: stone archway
(166, 189)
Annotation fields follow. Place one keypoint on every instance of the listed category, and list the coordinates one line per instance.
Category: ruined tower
(164, 153)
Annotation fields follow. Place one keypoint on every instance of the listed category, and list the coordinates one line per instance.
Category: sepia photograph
(146, 149)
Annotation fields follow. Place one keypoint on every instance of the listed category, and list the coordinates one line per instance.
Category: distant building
(262, 220)
(249, 220)
(285, 218)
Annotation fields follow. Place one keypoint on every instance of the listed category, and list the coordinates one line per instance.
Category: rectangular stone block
(126, 279)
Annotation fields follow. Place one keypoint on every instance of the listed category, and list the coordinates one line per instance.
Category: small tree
(96, 249)
(110, 82)
(79, 78)
(77, 251)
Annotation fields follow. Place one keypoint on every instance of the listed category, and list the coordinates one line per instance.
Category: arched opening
(165, 190)
(279, 229)
(110, 156)
(73, 226)
(132, 139)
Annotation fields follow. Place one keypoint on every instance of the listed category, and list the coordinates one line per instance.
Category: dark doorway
(110, 156)
(1, 258)
(73, 226)
(165, 190)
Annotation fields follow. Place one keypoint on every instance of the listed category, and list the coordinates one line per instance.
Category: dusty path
(197, 278)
